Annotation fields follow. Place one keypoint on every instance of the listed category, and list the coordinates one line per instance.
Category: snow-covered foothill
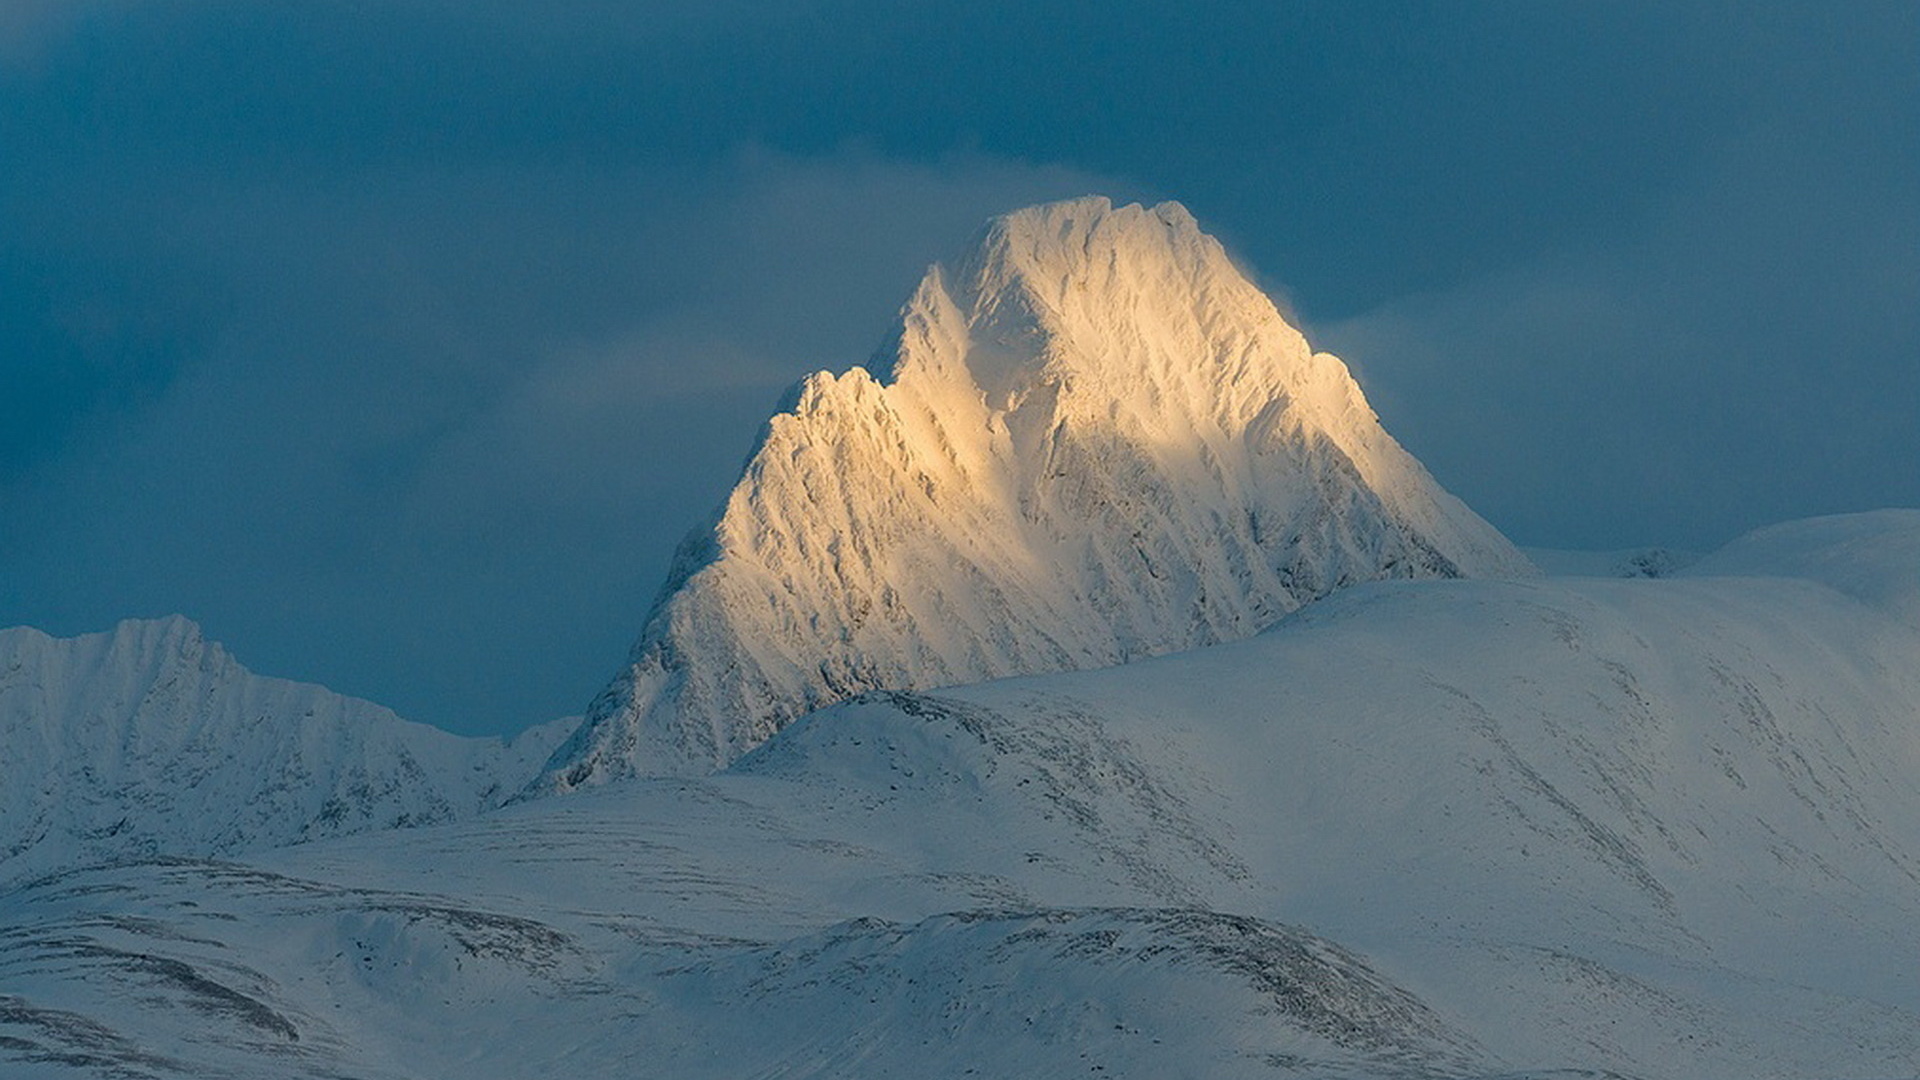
(1661, 829)
(1090, 440)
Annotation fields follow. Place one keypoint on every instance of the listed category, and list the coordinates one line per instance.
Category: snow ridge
(1090, 441)
(151, 740)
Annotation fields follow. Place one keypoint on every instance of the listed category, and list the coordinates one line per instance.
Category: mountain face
(150, 740)
(1090, 441)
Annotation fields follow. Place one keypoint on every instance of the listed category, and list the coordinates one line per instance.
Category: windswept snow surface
(1091, 440)
(1524, 829)
(150, 740)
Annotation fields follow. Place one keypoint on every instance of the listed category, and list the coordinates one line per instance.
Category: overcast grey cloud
(399, 342)
(1744, 351)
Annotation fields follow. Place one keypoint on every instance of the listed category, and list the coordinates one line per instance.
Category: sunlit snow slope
(149, 739)
(1665, 829)
(1092, 440)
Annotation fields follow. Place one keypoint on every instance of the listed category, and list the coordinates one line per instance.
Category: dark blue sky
(399, 342)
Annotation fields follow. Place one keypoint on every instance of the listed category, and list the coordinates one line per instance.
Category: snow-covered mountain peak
(174, 627)
(168, 635)
(1131, 321)
(149, 739)
(1130, 305)
(1090, 439)
(125, 659)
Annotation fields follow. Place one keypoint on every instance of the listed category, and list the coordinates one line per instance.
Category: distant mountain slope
(149, 739)
(1646, 562)
(1653, 829)
(1873, 557)
(1093, 440)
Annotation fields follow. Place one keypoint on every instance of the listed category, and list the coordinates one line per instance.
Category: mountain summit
(1089, 441)
(149, 740)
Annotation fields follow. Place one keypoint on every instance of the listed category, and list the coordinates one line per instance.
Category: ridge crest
(1089, 440)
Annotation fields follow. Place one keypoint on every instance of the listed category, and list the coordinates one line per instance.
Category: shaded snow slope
(149, 739)
(1092, 440)
(1632, 828)
(1873, 557)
